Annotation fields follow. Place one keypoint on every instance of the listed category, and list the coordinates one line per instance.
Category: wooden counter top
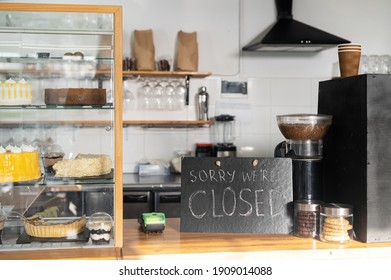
(172, 244)
(175, 245)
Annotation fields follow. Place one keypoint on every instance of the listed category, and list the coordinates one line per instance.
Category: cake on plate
(84, 165)
(15, 93)
(75, 96)
(19, 164)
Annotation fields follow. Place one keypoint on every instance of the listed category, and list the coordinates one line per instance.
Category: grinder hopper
(304, 135)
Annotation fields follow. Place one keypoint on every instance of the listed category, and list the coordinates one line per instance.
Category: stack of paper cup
(349, 59)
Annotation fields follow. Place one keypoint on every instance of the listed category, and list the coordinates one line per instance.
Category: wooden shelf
(167, 73)
(185, 74)
(166, 123)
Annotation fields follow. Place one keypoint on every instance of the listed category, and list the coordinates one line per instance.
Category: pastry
(15, 93)
(83, 165)
(100, 225)
(19, 164)
(37, 227)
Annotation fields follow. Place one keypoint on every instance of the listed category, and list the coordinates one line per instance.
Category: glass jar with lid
(3, 217)
(306, 218)
(336, 223)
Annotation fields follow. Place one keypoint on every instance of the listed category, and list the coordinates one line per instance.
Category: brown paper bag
(144, 50)
(187, 52)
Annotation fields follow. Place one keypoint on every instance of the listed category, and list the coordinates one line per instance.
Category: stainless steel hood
(289, 35)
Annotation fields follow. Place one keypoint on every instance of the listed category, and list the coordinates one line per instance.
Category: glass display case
(60, 125)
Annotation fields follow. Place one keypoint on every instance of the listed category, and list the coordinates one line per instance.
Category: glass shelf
(62, 46)
(54, 31)
(168, 73)
(108, 106)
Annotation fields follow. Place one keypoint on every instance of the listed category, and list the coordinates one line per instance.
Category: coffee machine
(225, 134)
(304, 145)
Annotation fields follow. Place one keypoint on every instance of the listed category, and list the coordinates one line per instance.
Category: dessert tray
(52, 177)
(82, 237)
(53, 228)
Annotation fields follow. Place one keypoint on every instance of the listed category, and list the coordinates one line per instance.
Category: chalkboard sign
(236, 195)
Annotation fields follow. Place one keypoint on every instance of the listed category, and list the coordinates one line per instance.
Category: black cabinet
(153, 193)
(357, 151)
(135, 203)
(169, 203)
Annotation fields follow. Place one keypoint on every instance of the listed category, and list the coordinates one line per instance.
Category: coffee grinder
(224, 133)
(304, 135)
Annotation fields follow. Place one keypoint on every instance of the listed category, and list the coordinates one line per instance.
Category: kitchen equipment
(290, 35)
(143, 194)
(135, 203)
(304, 145)
(202, 104)
(224, 133)
(357, 154)
(153, 222)
(168, 202)
(204, 150)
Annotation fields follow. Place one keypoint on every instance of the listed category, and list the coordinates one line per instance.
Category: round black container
(204, 150)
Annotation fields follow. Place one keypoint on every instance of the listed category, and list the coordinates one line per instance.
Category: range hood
(289, 35)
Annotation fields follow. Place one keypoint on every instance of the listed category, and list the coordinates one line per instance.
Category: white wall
(277, 83)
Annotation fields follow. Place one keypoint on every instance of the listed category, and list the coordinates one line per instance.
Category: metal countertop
(132, 181)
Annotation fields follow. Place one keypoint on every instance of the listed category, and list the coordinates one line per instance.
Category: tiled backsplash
(257, 131)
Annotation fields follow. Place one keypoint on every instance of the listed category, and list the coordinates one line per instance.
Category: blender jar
(225, 129)
(224, 133)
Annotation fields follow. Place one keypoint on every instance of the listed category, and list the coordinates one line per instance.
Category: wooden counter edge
(64, 254)
(176, 245)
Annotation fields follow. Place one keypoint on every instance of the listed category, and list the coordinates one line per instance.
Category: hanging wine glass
(157, 93)
(169, 94)
(144, 94)
(129, 100)
(180, 93)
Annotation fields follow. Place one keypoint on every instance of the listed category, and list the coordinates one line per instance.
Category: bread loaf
(83, 165)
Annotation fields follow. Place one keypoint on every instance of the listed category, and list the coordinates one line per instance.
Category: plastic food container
(100, 226)
(3, 217)
(336, 223)
(50, 155)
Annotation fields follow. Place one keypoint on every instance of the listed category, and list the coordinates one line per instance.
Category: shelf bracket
(187, 85)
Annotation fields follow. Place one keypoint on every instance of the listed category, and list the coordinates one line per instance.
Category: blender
(224, 132)
(304, 135)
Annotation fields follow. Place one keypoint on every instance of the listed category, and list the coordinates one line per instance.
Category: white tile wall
(257, 130)
(277, 83)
